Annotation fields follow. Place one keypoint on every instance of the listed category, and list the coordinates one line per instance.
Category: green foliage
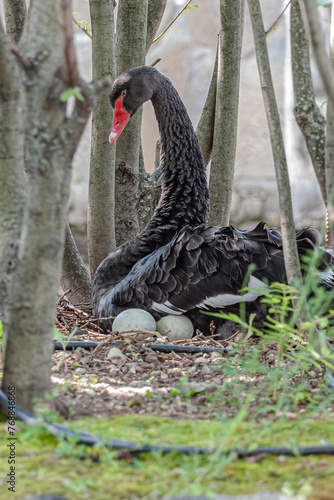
(71, 92)
(82, 24)
(58, 336)
(188, 7)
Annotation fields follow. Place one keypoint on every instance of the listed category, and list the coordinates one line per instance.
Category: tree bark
(50, 144)
(284, 192)
(226, 113)
(130, 50)
(319, 50)
(329, 148)
(101, 208)
(11, 173)
(205, 127)
(15, 16)
(309, 118)
(75, 276)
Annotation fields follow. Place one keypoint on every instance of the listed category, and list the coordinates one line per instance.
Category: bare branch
(170, 24)
(278, 19)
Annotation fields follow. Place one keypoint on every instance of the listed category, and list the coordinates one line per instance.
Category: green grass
(45, 465)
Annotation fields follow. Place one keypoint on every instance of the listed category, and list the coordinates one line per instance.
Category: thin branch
(164, 31)
(82, 28)
(279, 17)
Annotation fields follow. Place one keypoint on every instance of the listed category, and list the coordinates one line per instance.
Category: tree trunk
(284, 192)
(329, 148)
(15, 15)
(226, 113)
(101, 216)
(319, 50)
(11, 173)
(50, 144)
(309, 118)
(75, 276)
(206, 124)
(130, 50)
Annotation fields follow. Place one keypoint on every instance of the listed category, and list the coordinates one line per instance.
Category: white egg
(176, 327)
(134, 319)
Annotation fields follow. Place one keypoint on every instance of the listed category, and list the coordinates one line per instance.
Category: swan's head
(129, 91)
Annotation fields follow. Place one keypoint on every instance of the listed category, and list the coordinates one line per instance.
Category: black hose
(134, 447)
(155, 347)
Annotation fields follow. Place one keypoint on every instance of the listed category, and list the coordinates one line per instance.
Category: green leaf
(71, 92)
(71, 334)
(174, 392)
(75, 14)
(57, 335)
(323, 322)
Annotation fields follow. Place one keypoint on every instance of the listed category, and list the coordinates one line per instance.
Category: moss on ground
(44, 465)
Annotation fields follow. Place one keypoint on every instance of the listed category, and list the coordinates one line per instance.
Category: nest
(79, 317)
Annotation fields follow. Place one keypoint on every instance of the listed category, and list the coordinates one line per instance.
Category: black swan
(178, 265)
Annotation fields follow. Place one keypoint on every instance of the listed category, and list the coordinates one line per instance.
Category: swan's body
(177, 265)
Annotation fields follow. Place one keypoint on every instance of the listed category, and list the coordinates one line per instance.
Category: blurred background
(187, 53)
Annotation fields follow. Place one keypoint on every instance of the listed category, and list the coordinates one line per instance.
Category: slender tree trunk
(101, 214)
(75, 276)
(319, 50)
(226, 114)
(206, 123)
(284, 192)
(329, 150)
(50, 144)
(11, 172)
(307, 114)
(130, 50)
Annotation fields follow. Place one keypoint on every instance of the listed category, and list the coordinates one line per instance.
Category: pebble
(206, 369)
(201, 387)
(164, 376)
(115, 353)
(202, 360)
(90, 393)
(80, 371)
(151, 358)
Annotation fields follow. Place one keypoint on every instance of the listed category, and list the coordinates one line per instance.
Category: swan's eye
(123, 93)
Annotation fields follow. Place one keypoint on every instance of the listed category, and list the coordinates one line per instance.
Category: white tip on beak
(112, 137)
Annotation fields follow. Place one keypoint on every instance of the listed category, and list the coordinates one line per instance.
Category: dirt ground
(137, 380)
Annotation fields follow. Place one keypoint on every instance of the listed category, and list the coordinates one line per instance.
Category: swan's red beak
(121, 118)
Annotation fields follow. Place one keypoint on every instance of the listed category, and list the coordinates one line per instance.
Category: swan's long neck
(184, 199)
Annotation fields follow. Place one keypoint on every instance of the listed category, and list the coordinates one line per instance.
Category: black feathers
(176, 264)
